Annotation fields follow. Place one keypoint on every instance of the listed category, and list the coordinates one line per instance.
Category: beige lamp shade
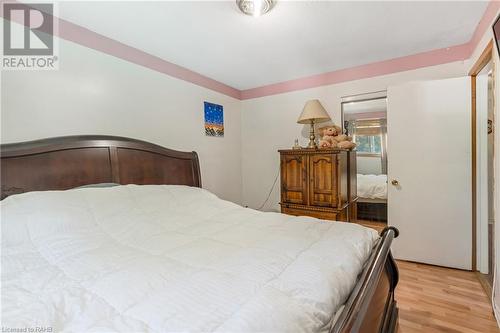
(313, 110)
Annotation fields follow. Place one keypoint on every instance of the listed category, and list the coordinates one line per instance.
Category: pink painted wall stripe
(93, 40)
(431, 58)
(88, 38)
(425, 59)
(489, 15)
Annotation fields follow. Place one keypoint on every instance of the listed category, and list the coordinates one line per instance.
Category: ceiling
(296, 39)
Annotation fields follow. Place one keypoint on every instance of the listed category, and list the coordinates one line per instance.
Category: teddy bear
(328, 137)
(332, 137)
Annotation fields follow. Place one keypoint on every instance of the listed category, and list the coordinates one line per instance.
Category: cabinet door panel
(323, 181)
(293, 179)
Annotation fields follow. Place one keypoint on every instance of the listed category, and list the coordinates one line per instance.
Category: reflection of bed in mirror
(372, 194)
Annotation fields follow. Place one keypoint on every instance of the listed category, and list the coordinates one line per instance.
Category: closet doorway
(482, 85)
(364, 117)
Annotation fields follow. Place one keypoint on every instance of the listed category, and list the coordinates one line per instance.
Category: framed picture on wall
(214, 119)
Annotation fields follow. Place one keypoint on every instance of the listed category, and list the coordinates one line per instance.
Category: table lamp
(313, 112)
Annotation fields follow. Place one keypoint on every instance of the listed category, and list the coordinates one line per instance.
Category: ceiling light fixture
(255, 8)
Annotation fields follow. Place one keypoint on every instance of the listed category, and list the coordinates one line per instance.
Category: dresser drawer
(333, 214)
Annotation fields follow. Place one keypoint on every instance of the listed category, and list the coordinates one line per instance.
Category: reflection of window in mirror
(368, 135)
(364, 118)
(368, 144)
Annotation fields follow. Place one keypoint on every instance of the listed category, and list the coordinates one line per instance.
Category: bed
(372, 197)
(158, 253)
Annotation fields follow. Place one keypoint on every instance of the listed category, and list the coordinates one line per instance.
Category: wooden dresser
(319, 183)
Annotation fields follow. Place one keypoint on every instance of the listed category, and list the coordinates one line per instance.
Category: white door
(429, 156)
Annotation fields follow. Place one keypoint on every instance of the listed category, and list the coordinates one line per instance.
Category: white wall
(269, 124)
(94, 93)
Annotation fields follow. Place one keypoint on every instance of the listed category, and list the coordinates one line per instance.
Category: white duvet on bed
(372, 186)
(171, 258)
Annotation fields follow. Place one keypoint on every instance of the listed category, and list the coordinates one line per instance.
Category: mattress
(171, 259)
(372, 186)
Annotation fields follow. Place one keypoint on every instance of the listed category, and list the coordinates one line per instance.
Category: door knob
(395, 182)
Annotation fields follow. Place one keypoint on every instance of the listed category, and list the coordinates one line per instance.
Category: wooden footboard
(371, 307)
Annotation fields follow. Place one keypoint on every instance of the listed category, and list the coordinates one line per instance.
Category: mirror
(364, 117)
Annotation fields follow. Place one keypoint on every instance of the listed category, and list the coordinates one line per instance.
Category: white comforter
(372, 186)
(171, 258)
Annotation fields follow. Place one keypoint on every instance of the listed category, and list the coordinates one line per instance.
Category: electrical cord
(270, 192)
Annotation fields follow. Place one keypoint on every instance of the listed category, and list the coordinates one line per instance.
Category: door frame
(485, 57)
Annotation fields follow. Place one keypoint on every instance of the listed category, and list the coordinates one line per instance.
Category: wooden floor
(379, 226)
(437, 299)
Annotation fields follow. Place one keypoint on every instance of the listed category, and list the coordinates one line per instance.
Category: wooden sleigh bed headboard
(66, 162)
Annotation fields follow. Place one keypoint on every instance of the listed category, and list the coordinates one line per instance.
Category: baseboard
(485, 284)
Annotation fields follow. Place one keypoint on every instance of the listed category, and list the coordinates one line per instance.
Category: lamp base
(312, 145)
(312, 138)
